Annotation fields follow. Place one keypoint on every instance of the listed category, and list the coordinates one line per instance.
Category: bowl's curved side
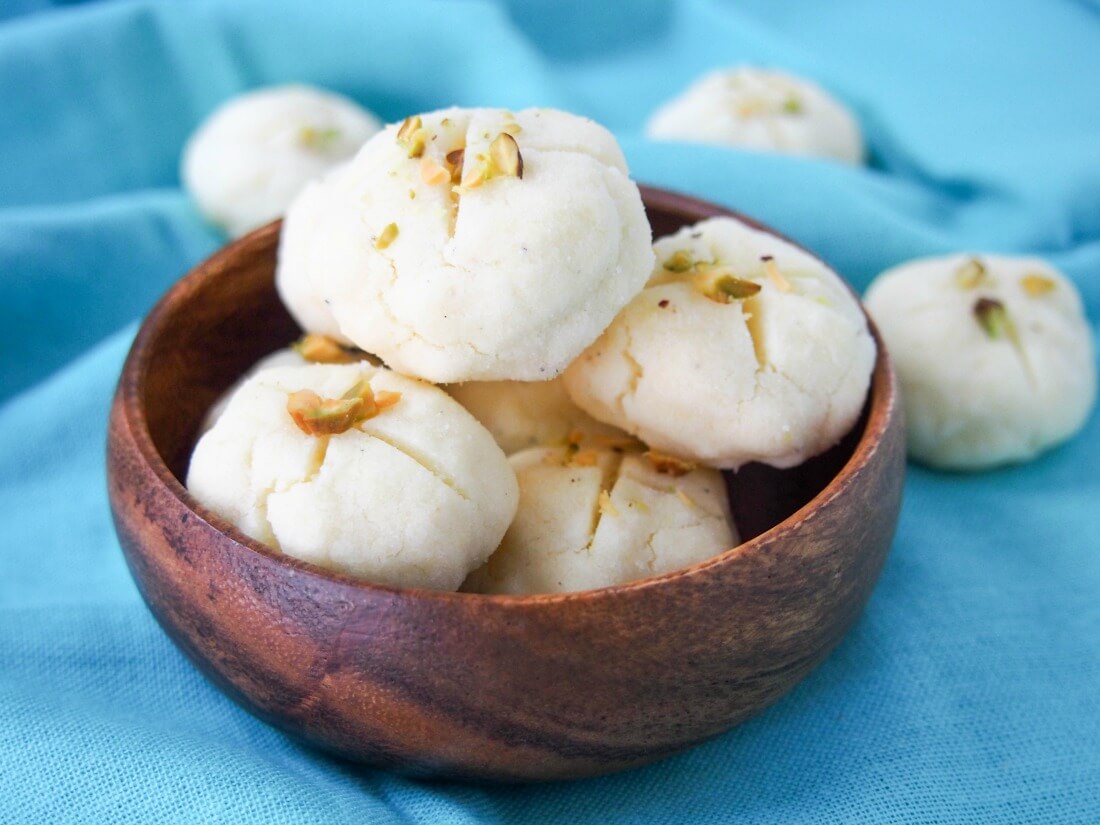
(479, 687)
(538, 689)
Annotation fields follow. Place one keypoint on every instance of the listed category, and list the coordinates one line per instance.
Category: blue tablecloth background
(970, 689)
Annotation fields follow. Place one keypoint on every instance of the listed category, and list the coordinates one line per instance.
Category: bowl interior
(223, 317)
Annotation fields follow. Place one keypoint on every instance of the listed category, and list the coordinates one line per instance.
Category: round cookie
(417, 495)
(761, 110)
(597, 518)
(742, 348)
(252, 155)
(994, 355)
(522, 414)
(478, 244)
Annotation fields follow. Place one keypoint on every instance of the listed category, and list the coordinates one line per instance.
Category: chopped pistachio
(454, 160)
(792, 105)
(994, 319)
(504, 159)
(504, 152)
(725, 288)
(585, 458)
(474, 177)
(384, 399)
(971, 274)
(679, 261)
(639, 505)
(669, 464)
(317, 139)
(432, 173)
(1035, 284)
(408, 127)
(607, 507)
(372, 404)
(321, 349)
(412, 194)
(386, 236)
(412, 136)
(772, 268)
(317, 416)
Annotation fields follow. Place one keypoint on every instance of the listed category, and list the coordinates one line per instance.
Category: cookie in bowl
(358, 470)
(477, 244)
(594, 517)
(742, 347)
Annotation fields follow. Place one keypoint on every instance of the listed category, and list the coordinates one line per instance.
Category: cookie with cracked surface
(762, 110)
(597, 517)
(366, 488)
(994, 354)
(478, 244)
(254, 153)
(741, 348)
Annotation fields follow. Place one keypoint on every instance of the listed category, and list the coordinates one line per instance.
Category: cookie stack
(504, 385)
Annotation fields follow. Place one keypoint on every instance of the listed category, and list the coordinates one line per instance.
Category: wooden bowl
(470, 686)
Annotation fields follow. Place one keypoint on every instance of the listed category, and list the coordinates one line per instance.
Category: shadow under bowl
(508, 688)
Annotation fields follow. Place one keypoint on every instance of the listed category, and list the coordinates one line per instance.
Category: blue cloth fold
(970, 689)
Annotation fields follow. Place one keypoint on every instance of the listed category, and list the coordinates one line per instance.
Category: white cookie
(994, 355)
(417, 496)
(505, 278)
(522, 414)
(254, 153)
(597, 518)
(777, 377)
(761, 110)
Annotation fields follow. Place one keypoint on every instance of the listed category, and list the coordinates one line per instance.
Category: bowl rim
(882, 407)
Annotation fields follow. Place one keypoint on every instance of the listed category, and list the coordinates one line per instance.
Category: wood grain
(469, 686)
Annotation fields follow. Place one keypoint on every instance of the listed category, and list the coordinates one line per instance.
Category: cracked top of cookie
(743, 347)
(476, 244)
(592, 516)
(359, 470)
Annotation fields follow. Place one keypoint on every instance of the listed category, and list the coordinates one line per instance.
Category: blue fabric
(970, 689)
